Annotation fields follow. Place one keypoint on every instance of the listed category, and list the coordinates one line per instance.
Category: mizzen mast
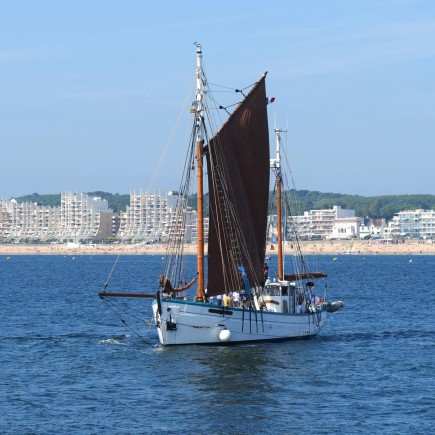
(200, 93)
(275, 164)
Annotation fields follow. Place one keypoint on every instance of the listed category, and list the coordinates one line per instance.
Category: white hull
(186, 322)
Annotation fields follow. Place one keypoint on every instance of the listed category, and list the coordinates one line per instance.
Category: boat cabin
(282, 297)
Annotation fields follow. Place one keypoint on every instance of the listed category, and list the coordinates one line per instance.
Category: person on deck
(226, 300)
(236, 298)
(265, 272)
(242, 301)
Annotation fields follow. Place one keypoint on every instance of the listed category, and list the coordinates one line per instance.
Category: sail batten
(238, 175)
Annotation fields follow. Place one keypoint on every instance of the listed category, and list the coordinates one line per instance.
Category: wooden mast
(279, 225)
(199, 166)
(276, 165)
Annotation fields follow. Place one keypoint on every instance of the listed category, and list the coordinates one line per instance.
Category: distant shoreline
(358, 247)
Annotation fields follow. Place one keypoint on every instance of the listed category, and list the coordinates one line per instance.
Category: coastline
(321, 247)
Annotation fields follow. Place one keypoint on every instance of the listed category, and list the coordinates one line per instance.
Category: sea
(72, 363)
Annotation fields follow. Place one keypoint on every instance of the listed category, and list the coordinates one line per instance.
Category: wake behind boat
(235, 300)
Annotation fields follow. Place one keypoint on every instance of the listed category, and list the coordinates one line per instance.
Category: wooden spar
(277, 169)
(200, 296)
(200, 217)
(308, 275)
(279, 226)
(127, 295)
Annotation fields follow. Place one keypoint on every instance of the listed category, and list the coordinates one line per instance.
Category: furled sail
(238, 176)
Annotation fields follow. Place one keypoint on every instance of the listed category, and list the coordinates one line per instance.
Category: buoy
(225, 335)
(410, 260)
(334, 258)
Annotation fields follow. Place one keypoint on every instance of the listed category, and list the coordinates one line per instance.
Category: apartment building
(413, 224)
(79, 218)
(26, 222)
(84, 218)
(149, 218)
(319, 224)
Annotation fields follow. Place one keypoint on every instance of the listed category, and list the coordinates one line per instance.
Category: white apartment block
(155, 218)
(84, 218)
(149, 218)
(79, 218)
(26, 222)
(319, 224)
(413, 224)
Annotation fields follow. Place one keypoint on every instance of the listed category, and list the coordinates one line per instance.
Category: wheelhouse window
(272, 290)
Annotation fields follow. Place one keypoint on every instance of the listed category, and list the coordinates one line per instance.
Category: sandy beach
(362, 247)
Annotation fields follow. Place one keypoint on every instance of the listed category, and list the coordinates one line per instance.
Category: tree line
(384, 206)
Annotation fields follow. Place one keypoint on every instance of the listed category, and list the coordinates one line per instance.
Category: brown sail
(238, 175)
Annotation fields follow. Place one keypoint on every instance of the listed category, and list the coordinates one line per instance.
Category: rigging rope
(111, 272)
(124, 322)
(171, 136)
(231, 235)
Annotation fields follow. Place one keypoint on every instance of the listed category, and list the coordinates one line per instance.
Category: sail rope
(223, 202)
(174, 260)
(227, 232)
(221, 107)
(113, 304)
(106, 284)
(299, 260)
(229, 228)
(171, 136)
(231, 88)
(232, 224)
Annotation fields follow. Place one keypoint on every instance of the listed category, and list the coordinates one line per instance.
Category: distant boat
(250, 305)
(350, 250)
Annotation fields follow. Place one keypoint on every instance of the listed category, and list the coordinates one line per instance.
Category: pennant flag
(270, 100)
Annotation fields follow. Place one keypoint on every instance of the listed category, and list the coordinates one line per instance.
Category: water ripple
(69, 366)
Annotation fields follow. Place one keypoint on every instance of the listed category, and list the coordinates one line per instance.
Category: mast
(199, 165)
(276, 166)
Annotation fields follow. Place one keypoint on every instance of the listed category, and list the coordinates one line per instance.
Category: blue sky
(93, 93)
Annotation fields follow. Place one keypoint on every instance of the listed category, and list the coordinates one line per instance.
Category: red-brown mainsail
(238, 175)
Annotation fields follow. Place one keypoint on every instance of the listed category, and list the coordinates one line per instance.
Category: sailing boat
(250, 306)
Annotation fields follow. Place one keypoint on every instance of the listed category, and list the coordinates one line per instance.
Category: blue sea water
(69, 364)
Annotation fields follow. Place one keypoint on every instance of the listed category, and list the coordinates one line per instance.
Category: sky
(95, 95)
